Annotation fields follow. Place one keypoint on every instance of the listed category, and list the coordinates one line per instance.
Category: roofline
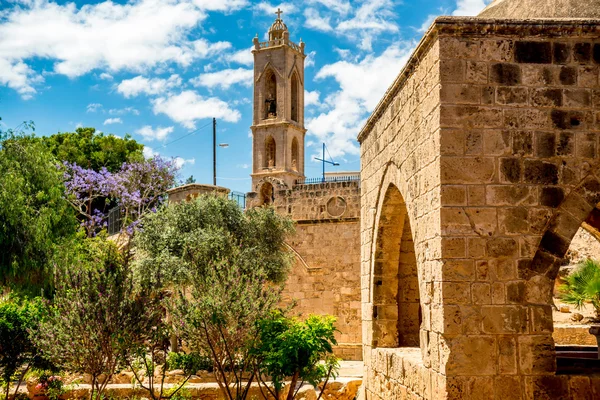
(474, 26)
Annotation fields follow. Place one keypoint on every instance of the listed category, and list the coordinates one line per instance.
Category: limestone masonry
(479, 165)
(325, 279)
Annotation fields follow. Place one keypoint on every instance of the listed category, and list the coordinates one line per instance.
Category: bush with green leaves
(301, 351)
(97, 313)
(18, 354)
(226, 269)
(35, 216)
(583, 286)
(190, 237)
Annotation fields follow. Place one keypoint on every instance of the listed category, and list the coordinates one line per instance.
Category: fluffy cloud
(134, 36)
(111, 121)
(311, 98)
(154, 86)
(317, 22)
(372, 18)
(180, 162)
(106, 76)
(470, 7)
(244, 56)
(149, 152)
(93, 107)
(265, 7)
(349, 107)
(188, 107)
(225, 78)
(149, 133)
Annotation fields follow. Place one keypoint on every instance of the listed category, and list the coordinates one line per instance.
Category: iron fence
(315, 181)
(238, 197)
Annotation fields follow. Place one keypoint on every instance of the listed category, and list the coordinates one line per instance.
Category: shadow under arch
(395, 294)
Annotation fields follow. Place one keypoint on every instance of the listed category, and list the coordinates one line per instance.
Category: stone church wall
(325, 278)
(491, 136)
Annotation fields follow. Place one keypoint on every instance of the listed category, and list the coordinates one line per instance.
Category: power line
(184, 136)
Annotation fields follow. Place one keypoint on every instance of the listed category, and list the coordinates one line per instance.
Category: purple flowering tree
(137, 188)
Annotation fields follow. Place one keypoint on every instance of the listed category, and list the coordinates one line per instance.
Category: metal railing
(315, 181)
(238, 197)
(114, 220)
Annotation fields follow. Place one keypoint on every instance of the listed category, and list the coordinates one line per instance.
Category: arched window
(295, 163)
(396, 300)
(270, 95)
(295, 104)
(270, 153)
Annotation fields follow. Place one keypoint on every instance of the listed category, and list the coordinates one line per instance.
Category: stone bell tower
(278, 122)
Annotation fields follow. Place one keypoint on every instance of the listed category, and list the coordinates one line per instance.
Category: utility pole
(323, 160)
(215, 151)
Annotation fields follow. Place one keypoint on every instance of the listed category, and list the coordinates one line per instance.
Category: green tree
(228, 267)
(211, 229)
(583, 286)
(34, 215)
(97, 313)
(89, 149)
(300, 350)
(190, 179)
(18, 354)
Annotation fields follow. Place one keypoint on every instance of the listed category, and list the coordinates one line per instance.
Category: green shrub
(300, 350)
(583, 285)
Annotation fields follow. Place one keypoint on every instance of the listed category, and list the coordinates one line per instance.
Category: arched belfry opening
(270, 153)
(295, 98)
(396, 302)
(295, 159)
(270, 95)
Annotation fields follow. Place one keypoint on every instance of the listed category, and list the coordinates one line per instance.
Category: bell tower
(278, 121)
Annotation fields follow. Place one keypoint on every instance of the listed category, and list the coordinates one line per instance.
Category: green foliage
(190, 179)
(34, 215)
(583, 285)
(302, 350)
(96, 313)
(190, 363)
(18, 354)
(93, 150)
(189, 237)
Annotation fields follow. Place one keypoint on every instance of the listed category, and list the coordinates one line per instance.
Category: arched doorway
(267, 194)
(295, 104)
(396, 300)
(295, 154)
(270, 153)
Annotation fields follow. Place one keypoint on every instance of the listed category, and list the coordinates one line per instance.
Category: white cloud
(110, 121)
(225, 78)
(427, 23)
(93, 107)
(149, 133)
(154, 86)
(188, 107)
(268, 8)
(180, 162)
(135, 36)
(244, 56)
(315, 21)
(243, 166)
(149, 152)
(470, 7)
(309, 61)
(106, 76)
(372, 18)
(123, 111)
(349, 107)
(342, 7)
(311, 98)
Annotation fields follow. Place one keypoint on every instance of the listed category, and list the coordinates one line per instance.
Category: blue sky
(160, 69)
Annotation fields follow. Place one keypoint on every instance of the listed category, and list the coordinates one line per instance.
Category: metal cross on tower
(279, 12)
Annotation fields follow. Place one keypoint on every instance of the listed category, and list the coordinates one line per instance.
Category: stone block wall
(325, 278)
(491, 136)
